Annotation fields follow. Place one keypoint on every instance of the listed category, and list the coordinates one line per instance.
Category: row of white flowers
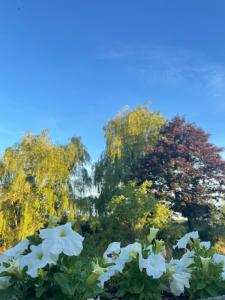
(155, 265)
(61, 239)
(151, 258)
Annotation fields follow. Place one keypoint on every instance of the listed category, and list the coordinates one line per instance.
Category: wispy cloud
(111, 54)
(172, 66)
(182, 66)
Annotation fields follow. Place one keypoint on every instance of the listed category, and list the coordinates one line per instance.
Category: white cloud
(173, 66)
(182, 66)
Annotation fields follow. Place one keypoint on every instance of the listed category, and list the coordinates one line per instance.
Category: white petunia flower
(181, 273)
(37, 259)
(155, 265)
(186, 260)
(113, 248)
(12, 258)
(125, 255)
(14, 267)
(207, 245)
(218, 258)
(11, 265)
(18, 249)
(128, 253)
(183, 263)
(4, 258)
(182, 243)
(178, 281)
(62, 239)
(104, 277)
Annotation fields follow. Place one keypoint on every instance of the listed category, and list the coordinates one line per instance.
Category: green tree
(35, 182)
(135, 209)
(126, 138)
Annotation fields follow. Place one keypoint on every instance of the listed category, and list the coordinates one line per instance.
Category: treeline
(150, 170)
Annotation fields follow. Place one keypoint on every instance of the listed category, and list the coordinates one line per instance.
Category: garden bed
(48, 265)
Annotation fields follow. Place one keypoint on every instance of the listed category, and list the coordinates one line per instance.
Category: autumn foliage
(186, 169)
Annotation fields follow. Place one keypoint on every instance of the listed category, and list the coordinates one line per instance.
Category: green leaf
(137, 289)
(200, 285)
(40, 291)
(6, 294)
(120, 293)
(66, 285)
(210, 290)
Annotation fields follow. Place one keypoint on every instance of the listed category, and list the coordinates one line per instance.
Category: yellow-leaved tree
(127, 135)
(36, 181)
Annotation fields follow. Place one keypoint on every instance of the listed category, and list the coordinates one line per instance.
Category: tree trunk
(190, 216)
(190, 223)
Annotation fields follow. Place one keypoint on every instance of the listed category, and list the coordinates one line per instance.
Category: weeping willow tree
(127, 136)
(35, 182)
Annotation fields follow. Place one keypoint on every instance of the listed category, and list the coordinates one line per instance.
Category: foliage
(145, 271)
(131, 206)
(138, 271)
(100, 231)
(86, 206)
(172, 232)
(185, 169)
(219, 246)
(206, 280)
(67, 278)
(149, 167)
(133, 284)
(126, 138)
(35, 183)
(161, 216)
(66, 281)
(132, 211)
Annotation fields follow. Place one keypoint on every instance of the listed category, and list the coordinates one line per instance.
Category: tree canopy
(126, 138)
(35, 182)
(150, 169)
(185, 169)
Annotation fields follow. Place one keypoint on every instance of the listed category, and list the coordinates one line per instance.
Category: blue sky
(71, 65)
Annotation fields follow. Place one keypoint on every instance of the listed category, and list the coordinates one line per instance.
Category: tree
(185, 169)
(132, 210)
(35, 182)
(131, 206)
(126, 138)
(135, 207)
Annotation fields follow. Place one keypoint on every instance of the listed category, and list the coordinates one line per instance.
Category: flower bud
(152, 234)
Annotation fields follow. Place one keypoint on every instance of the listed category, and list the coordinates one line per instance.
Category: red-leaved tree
(185, 169)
